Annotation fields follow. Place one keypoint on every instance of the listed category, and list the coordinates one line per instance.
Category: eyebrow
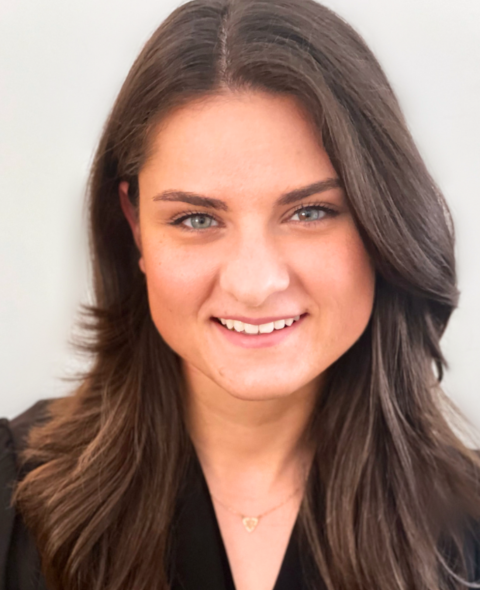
(285, 199)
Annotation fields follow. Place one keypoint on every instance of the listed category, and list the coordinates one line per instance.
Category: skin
(247, 408)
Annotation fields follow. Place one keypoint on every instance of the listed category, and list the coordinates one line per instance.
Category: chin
(257, 397)
(260, 392)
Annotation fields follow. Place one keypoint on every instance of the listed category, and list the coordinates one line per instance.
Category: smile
(238, 335)
(244, 328)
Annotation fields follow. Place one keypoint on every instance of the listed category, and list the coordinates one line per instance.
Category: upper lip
(258, 321)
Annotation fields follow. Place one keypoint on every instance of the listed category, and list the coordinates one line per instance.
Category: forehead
(242, 142)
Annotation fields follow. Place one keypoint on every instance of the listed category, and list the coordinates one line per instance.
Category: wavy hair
(388, 467)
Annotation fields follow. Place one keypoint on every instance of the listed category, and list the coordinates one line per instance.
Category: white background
(61, 66)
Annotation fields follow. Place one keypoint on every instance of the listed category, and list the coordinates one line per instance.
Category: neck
(244, 442)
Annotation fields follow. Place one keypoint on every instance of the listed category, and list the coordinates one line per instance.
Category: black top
(199, 560)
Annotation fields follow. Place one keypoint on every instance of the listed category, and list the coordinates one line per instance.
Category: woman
(273, 269)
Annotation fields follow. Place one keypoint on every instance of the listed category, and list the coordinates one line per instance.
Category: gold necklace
(250, 522)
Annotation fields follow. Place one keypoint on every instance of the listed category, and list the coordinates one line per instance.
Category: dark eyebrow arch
(285, 199)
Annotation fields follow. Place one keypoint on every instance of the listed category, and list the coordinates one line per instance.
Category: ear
(132, 218)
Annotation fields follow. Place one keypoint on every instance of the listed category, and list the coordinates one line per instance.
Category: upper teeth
(261, 329)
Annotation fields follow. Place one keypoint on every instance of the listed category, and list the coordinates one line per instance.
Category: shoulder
(13, 537)
(21, 425)
(13, 438)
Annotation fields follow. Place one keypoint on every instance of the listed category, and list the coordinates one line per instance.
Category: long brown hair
(107, 466)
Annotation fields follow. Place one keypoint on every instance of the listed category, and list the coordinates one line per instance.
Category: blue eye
(198, 220)
(202, 221)
(314, 212)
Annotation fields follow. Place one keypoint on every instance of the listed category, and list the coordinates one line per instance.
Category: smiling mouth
(259, 334)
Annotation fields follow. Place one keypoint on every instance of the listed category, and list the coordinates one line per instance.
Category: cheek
(176, 283)
(342, 284)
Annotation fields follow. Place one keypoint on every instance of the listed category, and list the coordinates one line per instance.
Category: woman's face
(230, 227)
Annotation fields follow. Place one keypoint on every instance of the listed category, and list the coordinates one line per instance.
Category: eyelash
(177, 221)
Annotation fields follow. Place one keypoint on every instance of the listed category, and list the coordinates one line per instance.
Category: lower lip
(258, 340)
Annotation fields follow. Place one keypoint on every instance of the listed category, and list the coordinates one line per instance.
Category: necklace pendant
(250, 523)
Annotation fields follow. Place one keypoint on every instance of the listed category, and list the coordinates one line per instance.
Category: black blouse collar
(199, 557)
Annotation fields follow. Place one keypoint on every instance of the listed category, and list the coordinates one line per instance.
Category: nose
(254, 270)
